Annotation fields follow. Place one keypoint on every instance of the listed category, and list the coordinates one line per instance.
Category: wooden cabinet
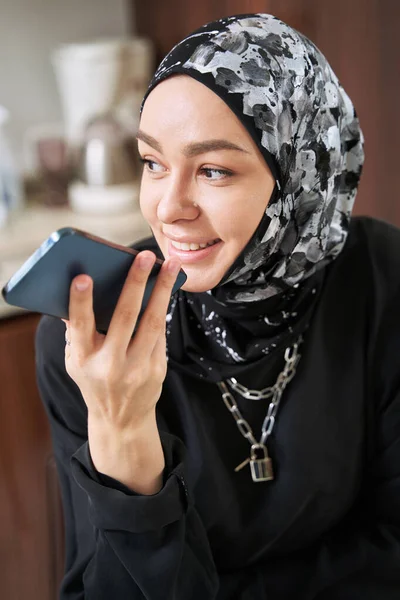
(31, 522)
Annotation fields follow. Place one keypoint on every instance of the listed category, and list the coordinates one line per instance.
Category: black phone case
(43, 282)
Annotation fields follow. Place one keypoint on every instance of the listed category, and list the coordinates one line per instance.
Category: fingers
(82, 326)
(126, 312)
(152, 323)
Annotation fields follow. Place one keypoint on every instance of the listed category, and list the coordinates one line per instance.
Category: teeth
(190, 246)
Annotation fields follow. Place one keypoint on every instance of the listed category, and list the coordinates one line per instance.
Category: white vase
(98, 77)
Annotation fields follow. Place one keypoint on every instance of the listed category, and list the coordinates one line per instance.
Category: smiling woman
(204, 179)
(244, 444)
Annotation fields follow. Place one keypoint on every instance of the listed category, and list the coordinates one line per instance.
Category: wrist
(100, 427)
(133, 456)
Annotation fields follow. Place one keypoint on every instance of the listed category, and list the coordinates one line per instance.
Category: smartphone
(42, 284)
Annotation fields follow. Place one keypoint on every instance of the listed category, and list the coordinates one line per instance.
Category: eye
(215, 174)
(152, 165)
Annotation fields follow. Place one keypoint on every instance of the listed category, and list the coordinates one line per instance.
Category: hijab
(285, 93)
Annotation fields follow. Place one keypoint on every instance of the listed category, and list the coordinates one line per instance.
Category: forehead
(182, 105)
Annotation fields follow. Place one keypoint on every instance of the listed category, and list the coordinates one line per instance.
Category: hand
(121, 378)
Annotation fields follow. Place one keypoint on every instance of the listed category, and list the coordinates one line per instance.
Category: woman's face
(204, 179)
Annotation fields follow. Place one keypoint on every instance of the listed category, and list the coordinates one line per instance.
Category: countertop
(27, 230)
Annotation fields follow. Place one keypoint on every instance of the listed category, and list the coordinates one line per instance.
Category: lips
(192, 246)
(193, 256)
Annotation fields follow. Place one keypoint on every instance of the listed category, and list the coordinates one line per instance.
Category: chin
(196, 286)
(194, 289)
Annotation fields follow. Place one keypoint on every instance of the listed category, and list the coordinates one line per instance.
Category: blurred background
(72, 75)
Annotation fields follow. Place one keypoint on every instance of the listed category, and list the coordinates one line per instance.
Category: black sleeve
(119, 544)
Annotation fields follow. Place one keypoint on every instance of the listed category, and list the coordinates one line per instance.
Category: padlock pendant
(261, 468)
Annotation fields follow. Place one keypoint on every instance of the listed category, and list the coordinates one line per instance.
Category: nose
(177, 202)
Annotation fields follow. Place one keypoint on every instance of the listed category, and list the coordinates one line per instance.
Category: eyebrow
(192, 149)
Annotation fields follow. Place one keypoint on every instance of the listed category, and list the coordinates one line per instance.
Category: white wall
(29, 31)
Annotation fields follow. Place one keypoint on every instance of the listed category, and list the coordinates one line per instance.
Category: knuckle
(126, 315)
(167, 282)
(164, 286)
(169, 278)
(137, 377)
(109, 379)
(141, 374)
(106, 366)
(160, 371)
(155, 322)
(78, 322)
(134, 282)
(136, 276)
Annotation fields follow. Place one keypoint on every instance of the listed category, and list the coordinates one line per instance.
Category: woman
(245, 444)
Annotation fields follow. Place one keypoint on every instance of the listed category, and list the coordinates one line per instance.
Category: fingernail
(173, 265)
(146, 261)
(82, 285)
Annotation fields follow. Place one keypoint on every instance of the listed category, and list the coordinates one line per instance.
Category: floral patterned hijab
(285, 93)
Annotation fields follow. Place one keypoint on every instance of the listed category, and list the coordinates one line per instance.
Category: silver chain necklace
(261, 468)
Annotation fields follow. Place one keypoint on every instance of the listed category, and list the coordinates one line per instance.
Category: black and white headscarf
(285, 93)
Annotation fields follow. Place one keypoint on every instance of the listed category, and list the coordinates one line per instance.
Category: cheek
(148, 203)
(238, 220)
